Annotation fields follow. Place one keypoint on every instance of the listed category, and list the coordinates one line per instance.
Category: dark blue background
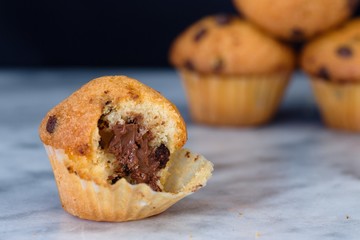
(96, 33)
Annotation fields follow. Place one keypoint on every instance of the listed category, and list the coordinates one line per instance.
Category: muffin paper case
(339, 103)
(184, 174)
(234, 100)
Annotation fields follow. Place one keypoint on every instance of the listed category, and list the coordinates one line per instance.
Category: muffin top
(225, 44)
(74, 124)
(296, 20)
(335, 55)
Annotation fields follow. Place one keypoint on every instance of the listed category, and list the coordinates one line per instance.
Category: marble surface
(292, 179)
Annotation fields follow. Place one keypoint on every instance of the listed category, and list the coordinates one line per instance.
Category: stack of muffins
(235, 68)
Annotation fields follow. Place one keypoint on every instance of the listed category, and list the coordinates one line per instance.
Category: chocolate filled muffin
(115, 146)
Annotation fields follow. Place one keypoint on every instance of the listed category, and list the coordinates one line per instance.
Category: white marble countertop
(292, 179)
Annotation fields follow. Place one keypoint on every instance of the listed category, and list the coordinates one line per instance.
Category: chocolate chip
(344, 51)
(107, 102)
(189, 65)
(223, 19)
(83, 149)
(323, 73)
(162, 154)
(51, 124)
(106, 91)
(200, 34)
(218, 65)
(297, 34)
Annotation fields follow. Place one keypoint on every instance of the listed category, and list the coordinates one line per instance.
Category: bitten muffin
(233, 73)
(333, 63)
(296, 20)
(115, 148)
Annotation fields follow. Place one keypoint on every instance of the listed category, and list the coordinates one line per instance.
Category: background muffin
(296, 20)
(234, 74)
(333, 61)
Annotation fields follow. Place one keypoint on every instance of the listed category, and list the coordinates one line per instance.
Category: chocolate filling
(135, 159)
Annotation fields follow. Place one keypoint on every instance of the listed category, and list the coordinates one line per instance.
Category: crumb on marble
(257, 234)
(347, 217)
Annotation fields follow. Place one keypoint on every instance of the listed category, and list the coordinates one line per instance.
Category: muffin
(333, 63)
(115, 146)
(233, 73)
(296, 20)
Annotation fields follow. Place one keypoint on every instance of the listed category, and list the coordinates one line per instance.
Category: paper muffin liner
(339, 104)
(233, 100)
(185, 173)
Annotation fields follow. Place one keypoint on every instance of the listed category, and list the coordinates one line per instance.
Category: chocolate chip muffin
(296, 20)
(115, 148)
(233, 73)
(333, 61)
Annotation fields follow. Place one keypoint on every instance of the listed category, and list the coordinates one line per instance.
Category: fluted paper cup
(339, 104)
(233, 100)
(185, 173)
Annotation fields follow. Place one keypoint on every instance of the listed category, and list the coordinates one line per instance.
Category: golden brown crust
(296, 19)
(225, 44)
(335, 56)
(71, 124)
